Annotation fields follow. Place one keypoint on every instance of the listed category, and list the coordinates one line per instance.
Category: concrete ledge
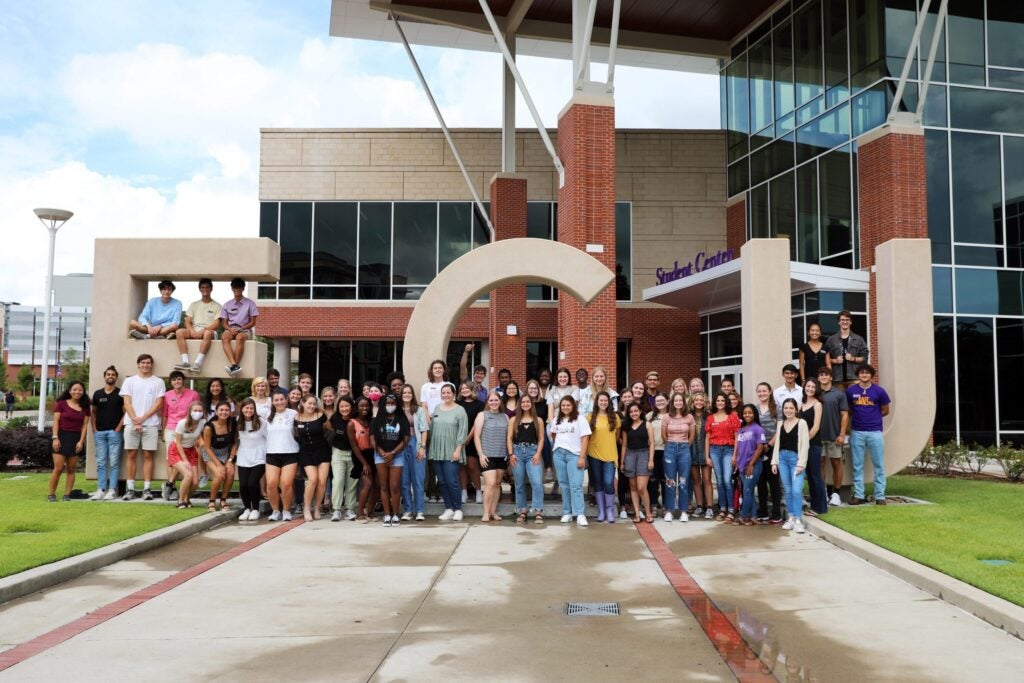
(996, 611)
(39, 578)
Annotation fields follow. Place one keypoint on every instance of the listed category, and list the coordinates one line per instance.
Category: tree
(73, 369)
(26, 378)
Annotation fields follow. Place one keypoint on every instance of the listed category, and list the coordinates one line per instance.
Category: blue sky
(143, 117)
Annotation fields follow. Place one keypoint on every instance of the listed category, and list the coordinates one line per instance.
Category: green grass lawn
(34, 532)
(970, 521)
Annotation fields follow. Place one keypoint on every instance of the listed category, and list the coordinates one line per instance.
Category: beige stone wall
(674, 179)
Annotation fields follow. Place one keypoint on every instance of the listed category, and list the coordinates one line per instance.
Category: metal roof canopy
(682, 35)
(719, 287)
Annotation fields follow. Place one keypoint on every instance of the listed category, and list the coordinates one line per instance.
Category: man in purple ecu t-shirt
(869, 403)
(239, 315)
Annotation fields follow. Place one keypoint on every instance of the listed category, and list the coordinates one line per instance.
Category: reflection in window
(1013, 170)
(1010, 356)
(761, 108)
(809, 70)
(374, 250)
(976, 188)
(455, 236)
(900, 21)
(807, 212)
(966, 30)
(623, 251)
(414, 257)
(992, 110)
(782, 51)
(976, 380)
(783, 213)
(866, 48)
(988, 292)
(296, 229)
(836, 194)
(1006, 33)
(738, 114)
(836, 60)
(942, 290)
(823, 133)
(334, 243)
(945, 380)
(937, 162)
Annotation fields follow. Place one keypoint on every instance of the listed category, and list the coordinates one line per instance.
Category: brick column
(736, 222)
(893, 197)
(586, 216)
(508, 303)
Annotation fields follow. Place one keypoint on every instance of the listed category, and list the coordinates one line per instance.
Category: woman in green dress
(448, 428)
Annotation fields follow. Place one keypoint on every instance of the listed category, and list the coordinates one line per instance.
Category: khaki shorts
(146, 439)
(830, 450)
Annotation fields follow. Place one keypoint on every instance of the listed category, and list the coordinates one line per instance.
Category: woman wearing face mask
(282, 458)
(448, 430)
(490, 435)
(251, 458)
(182, 455)
(220, 444)
(389, 432)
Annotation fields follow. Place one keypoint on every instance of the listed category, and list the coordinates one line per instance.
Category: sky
(143, 116)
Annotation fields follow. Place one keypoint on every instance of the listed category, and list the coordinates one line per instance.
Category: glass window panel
(824, 133)
(293, 292)
(979, 256)
(784, 210)
(945, 380)
(807, 212)
(623, 251)
(738, 103)
(782, 154)
(717, 321)
(867, 59)
(538, 220)
(759, 32)
(1010, 356)
(454, 232)
(334, 243)
(836, 192)
(936, 149)
(939, 67)
(977, 196)
(976, 379)
(760, 165)
(1015, 233)
(808, 53)
(836, 60)
(739, 176)
(266, 292)
(762, 138)
(966, 31)
(374, 250)
(935, 106)
(334, 292)
(268, 220)
(993, 110)
(738, 49)
(540, 355)
(988, 292)
(1004, 78)
(415, 243)
(900, 21)
(759, 223)
(782, 53)
(725, 343)
(1013, 169)
(307, 359)
(942, 290)
(406, 292)
(371, 361)
(870, 108)
(761, 108)
(810, 110)
(296, 238)
(785, 124)
(1006, 32)
(334, 362)
(480, 232)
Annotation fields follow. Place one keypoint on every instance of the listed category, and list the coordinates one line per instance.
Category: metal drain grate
(592, 609)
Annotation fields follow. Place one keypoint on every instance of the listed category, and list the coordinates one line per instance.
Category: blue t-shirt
(866, 407)
(747, 441)
(158, 314)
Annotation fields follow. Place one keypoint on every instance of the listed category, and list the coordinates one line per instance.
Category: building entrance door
(730, 372)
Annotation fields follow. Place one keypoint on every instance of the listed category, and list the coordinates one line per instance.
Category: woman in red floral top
(721, 428)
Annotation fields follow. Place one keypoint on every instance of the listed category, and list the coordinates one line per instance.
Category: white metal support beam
(613, 43)
(915, 41)
(583, 49)
(510, 62)
(508, 110)
(940, 22)
(444, 128)
(516, 14)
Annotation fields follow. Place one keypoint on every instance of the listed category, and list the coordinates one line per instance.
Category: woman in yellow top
(603, 454)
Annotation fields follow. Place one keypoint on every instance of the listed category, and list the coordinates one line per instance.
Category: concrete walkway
(471, 601)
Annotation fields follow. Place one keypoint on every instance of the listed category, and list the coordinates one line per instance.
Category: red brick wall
(508, 303)
(893, 200)
(736, 225)
(662, 339)
(586, 215)
(356, 322)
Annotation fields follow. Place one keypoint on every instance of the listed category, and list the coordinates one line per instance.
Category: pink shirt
(176, 407)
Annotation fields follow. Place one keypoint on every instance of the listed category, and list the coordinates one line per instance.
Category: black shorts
(496, 464)
(314, 457)
(68, 441)
(282, 459)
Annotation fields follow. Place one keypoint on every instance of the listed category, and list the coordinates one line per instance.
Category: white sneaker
(479, 497)
(336, 516)
(668, 517)
(254, 515)
(798, 527)
(465, 496)
(387, 520)
(275, 516)
(420, 517)
(396, 521)
(204, 480)
(195, 368)
(566, 519)
(835, 500)
(623, 515)
(286, 516)
(243, 516)
(683, 517)
(458, 516)
(407, 517)
(642, 516)
(349, 515)
(446, 515)
(581, 520)
(709, 514)
(111, 494)
(788, 526)
(98, 495)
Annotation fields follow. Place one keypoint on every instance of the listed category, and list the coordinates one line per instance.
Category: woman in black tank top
(526, 444)
(220, 439)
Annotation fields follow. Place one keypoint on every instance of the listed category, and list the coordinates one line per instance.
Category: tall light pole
(52, 220)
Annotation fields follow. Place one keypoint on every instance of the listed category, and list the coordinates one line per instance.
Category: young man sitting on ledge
(160, 317)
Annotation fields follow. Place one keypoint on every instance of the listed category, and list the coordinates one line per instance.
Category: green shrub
(30, 403)
(943, 457)
(32, 448)
(975, 458)
(1010, 459)
(17, 423)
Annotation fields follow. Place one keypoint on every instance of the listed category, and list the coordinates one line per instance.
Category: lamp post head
(53, 219)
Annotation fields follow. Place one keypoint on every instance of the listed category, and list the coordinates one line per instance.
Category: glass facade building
(800, 88)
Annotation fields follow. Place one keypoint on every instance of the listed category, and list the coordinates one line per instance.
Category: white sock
(129, 484)
(145, 487)
(199, 358)
(184, 358)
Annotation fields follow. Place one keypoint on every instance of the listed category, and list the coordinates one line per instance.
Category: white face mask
(197, 415)
(390, 409)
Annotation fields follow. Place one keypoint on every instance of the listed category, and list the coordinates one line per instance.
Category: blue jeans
(721, 462)
(604, 476)
(816, 480)
(792, 483)
(677, 474)
(570, 480)
(108, 458)
(874, 442)
(414, 475)
(525, 471)
(447, 473)
(749, 504)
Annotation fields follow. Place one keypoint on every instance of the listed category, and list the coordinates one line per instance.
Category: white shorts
(146, 439)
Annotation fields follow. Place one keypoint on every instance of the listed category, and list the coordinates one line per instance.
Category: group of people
(640, 450)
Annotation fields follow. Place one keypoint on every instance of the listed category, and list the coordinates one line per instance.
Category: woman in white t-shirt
(261, 396)
(183, 454)
(430, 392)
(251, 458)
(282, 458)
(559, 390)
(570, 436)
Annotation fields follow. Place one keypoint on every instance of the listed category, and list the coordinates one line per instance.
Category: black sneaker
(147, 494)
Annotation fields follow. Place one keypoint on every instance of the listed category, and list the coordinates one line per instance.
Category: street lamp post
(52, 220)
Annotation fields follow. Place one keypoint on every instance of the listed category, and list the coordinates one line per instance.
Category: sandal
(521, 517)
(212, 506)
(182, 506)
(538, 518)
(730, 517)
(748, 522)
(650, 519)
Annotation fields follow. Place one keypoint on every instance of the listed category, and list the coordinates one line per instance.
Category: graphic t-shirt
(569, 435)
(866, 407)
(747, 440)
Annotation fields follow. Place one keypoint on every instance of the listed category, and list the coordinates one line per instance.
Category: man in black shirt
(107, 425)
